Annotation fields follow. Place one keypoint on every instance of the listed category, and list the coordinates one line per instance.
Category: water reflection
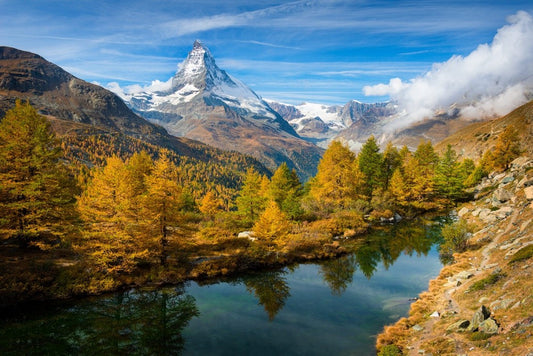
(271, 289)
(133, 322)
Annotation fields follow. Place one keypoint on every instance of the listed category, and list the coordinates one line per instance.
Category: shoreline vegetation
(72, 227)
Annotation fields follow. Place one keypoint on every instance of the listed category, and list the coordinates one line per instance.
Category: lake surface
(334, 307)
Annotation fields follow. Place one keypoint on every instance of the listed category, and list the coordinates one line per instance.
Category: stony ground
(482, 303)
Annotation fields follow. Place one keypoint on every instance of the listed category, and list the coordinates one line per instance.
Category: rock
(464, 275)
(524, 183)
(520, 161)
(529, 192)
(479, 316)
(484, 214)
(461, 325)
(463, 211)
(435, 314)
(418, 327)
(397, 217)
(488, 326)
(501, 195)
(507, 179)
(476, 212)
(483, 300)
(503, 212)
(250, 235)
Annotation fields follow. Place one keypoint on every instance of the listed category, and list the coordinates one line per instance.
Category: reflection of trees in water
(338, 273)
(127, 323)
(383, 245)
(271, 289)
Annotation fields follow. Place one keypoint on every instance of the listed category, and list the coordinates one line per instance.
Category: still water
(331, 307)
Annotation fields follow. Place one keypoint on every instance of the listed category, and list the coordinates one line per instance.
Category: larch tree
(272, 224)
(36, 189)
(210, 204)
(163, 203)
(251, 200)
(338, 179)
(110, 238)
(391, 161)
(507, 148)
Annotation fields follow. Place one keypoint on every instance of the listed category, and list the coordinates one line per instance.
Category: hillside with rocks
(481, 303)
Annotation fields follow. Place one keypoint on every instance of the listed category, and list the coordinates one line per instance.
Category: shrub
(522, 254)
(455, 237)
(487, 281)
(390, 350)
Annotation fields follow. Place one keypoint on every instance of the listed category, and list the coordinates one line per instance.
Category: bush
(487, 281)
(390, 350)
(455, 237)
(522, 254)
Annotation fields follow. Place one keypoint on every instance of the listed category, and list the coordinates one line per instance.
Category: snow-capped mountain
(321, 123)
(205, 103)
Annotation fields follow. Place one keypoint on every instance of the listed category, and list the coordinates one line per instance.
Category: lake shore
(490, 283)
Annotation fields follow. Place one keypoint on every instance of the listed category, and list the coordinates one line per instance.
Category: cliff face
(482, 303)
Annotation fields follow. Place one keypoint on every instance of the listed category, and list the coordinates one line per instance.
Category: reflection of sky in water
(313, 321)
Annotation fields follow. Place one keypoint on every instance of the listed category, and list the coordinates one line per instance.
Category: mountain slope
(80, 112)
(206, 104)
(473, 140)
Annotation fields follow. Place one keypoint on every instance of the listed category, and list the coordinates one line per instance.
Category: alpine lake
(331, 307)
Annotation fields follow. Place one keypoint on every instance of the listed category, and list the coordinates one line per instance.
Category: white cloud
(490, 81)
(128, 91)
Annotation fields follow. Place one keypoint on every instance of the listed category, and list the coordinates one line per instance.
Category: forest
(81, 217)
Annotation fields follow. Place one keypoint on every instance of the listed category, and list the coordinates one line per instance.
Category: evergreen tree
(286, 190)
(371, 165)
(391, 160)
(36, 190)
(448, 176)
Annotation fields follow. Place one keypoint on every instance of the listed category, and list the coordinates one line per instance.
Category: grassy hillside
(477, 138)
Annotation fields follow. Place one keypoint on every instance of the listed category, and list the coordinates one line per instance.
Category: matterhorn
(205, 103)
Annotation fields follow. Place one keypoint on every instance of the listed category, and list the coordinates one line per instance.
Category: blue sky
(291, 51)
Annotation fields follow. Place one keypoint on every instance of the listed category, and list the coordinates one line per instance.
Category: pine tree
(448, 177)
(36, 189)
(286, 190)
(371, 165)
(391, 160)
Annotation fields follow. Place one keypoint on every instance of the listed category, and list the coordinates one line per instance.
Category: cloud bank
(492, 80)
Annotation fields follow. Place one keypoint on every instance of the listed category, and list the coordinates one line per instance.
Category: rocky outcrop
(482, 297)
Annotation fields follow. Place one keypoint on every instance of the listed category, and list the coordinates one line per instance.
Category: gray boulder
(488, 326)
